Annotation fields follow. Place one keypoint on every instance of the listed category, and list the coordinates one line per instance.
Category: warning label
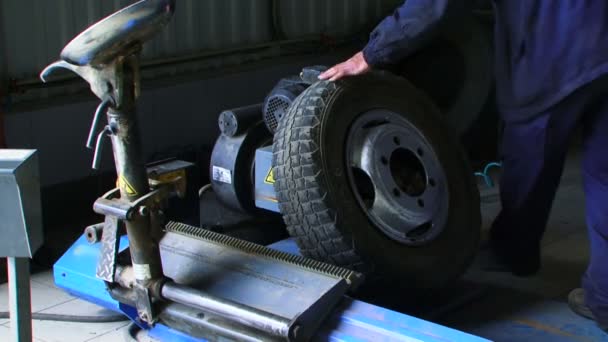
(172, 176)
(270, 177)
(221, 174)
(124, 185)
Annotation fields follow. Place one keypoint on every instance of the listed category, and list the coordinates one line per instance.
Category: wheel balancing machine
(182, 282)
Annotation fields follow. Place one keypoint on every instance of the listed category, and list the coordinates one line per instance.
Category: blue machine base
(352, 320)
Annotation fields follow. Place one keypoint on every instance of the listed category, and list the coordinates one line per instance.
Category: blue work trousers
(534, 154)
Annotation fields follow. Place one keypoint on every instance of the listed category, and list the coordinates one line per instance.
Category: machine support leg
(20, 305)
(133, 183)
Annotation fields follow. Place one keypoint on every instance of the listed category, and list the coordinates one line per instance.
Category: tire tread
(299, 181)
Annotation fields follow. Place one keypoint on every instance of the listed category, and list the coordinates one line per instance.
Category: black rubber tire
(456, 71)
(319, 207)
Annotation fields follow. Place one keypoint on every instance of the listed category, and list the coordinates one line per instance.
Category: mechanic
(551, 59)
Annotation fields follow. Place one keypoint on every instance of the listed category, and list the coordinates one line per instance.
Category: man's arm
(411, 26)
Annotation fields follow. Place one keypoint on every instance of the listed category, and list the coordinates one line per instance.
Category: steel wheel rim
(396, 177)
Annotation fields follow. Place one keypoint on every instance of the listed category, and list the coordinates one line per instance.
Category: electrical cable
(71, 318)
(485, 174)
(130, 334)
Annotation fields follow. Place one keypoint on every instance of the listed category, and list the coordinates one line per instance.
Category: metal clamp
(111, 205)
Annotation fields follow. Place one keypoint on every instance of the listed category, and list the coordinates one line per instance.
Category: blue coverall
(551, 56)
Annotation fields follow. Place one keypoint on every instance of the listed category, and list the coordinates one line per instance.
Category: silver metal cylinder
(251, 317)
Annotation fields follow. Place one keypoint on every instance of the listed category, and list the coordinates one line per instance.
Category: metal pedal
(299, 290)
(106, 268)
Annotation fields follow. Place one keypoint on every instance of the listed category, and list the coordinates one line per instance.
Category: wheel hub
(396, 177)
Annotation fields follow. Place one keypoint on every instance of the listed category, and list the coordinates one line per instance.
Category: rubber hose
(71, 318)
(130, 334)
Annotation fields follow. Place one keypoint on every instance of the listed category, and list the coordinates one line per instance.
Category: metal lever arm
(105, 82)
(101, 109)
(99, 147)
(99, 84)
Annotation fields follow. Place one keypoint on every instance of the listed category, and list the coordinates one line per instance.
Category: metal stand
(276, 296)
(20, 305)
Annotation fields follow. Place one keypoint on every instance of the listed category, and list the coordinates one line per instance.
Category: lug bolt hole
(396, 192)
(432, 182)
(421, 203)
(397, 141)
(384, 160)
(420, 152)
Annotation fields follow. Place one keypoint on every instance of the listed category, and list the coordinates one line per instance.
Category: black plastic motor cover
(232, 166)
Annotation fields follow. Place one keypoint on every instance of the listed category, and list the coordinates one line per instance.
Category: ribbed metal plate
(275, 282)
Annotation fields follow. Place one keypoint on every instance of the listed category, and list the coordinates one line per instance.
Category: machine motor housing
(285, 92)
(279, 100)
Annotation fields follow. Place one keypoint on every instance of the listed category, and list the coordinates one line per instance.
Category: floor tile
(50, 331)
(43, 297)
(570, 257)
(5, 334)
(115, 335)
(567, 215)
(79, 307)
(573, 248)
(44, 278)
(118, 335)
(551, 282)
(564, 260)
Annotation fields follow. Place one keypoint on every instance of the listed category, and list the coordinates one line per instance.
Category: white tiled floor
(47, 298)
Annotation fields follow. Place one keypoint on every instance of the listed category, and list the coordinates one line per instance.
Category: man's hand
(356, 65)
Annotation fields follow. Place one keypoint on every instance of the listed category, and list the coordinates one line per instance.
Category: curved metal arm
(44, 75)
(102, 81)
(99, 148)
(101, 109)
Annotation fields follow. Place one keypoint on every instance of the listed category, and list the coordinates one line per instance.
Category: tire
(456, 71)
(320, 208)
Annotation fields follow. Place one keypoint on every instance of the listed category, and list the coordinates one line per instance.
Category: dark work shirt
(544, 49)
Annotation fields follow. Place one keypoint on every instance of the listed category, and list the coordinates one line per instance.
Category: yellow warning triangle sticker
(269, 177)
(126, 187)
